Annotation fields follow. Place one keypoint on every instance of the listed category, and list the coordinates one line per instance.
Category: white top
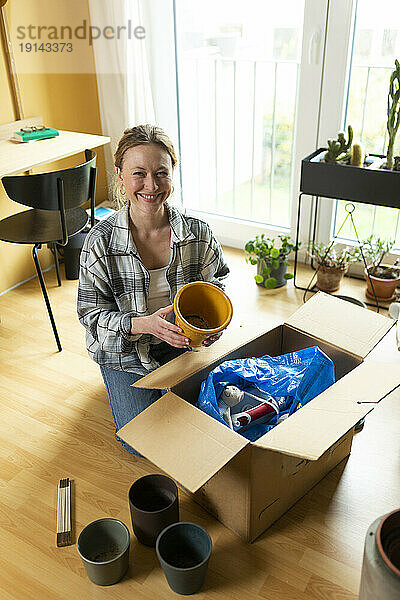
(158, 294)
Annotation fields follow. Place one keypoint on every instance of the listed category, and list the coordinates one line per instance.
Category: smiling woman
(132, 265)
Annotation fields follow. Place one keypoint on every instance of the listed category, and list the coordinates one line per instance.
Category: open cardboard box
(248, 485)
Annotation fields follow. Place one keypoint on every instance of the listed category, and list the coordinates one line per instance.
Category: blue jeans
(127, 402)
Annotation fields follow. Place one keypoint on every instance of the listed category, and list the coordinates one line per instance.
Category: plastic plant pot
(380, 576)
(184, 550)
(201, 310)
(103, 546)
(346, 182)
(388, 541)
(277, 274)
(153, 501)
(72, 253)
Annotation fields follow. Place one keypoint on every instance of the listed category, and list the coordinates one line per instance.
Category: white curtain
(123, 80)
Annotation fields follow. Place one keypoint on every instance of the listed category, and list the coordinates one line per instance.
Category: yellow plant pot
(201, 309)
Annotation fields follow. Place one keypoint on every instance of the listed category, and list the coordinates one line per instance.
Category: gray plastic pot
(278, 274)
(380, 575)
(184, 550)
(103, 546)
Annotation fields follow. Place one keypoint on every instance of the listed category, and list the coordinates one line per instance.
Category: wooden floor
(55, 422)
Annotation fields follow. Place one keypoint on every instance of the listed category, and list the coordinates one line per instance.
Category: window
(376, 45)
(238, 79)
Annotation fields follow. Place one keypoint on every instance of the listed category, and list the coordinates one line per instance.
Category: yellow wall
(66, 101)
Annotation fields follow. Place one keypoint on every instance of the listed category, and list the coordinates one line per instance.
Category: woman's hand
(157, 325)
(213, 338)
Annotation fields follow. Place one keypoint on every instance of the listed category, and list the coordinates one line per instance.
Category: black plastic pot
(345, 182)
(104, 549)
(153, 500)
(184, 550)
(72, 253)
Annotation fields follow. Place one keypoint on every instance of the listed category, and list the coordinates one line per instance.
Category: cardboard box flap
(183, 441)
(185, 365)
(313, 429)
(341, 323)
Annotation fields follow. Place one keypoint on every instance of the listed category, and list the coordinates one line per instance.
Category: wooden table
(17, 157)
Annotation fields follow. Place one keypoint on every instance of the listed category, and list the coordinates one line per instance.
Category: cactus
(357, 155)
(339, 149)
(393, 116)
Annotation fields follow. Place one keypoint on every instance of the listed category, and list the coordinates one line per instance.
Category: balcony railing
(252, 167)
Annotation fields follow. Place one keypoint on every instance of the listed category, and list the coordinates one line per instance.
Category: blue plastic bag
(301, 375)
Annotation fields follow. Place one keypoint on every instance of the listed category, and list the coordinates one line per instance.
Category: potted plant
(381, 278)
(393, 114)
(333, 264)
(342, 171)
(271, 258)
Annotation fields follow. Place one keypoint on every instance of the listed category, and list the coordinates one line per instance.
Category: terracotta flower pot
(329, 278)
(201, 310)
(384, 288)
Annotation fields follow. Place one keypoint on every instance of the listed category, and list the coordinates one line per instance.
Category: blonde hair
(138, 136)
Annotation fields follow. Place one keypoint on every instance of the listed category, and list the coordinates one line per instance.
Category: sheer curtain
(123, 80)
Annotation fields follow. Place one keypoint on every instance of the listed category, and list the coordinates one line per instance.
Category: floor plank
(55, 421)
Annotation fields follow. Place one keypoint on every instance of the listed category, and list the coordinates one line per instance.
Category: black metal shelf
(363, 185)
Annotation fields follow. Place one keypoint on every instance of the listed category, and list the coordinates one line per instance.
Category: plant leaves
(266, 271)
(274, 253)
(288, 276)
(275, 264)
(270, 283)
(258, 278)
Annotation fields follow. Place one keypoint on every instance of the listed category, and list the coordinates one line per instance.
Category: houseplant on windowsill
(381, 278)
(332, 264)
(271, 258)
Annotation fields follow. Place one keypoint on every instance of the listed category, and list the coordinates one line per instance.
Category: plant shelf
(368, 184)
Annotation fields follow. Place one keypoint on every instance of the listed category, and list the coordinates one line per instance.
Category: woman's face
(146, 175)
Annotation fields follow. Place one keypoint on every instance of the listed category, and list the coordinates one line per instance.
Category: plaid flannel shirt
(114, 284)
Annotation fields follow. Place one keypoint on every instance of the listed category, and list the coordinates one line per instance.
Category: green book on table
(30, 134)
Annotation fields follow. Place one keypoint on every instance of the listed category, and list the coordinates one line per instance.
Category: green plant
(331, 257)
(393, 112)
(357, 155)
(375, 249)
(339, 149)
(273, 252)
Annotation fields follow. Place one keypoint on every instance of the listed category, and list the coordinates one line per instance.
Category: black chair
(56, 212)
